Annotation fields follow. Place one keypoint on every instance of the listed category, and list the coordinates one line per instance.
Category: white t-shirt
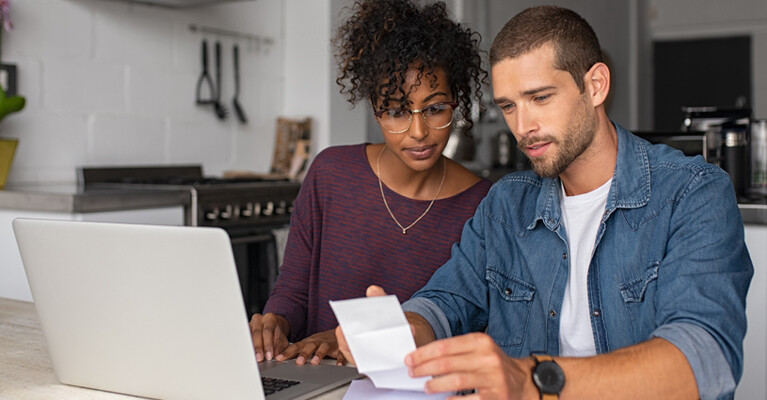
(581, 216)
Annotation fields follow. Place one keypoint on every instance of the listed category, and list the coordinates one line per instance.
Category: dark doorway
(700, 72)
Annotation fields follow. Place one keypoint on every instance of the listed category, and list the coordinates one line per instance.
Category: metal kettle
(504, 149)
(506, 153)
(460, 146)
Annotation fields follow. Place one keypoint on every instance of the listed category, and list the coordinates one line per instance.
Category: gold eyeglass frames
(398, 120)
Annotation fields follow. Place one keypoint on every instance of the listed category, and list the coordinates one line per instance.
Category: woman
(386, 213)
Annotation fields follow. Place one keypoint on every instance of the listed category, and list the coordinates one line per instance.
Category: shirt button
(564, 256)
(552, 313)
(507, 292)
(597, 313)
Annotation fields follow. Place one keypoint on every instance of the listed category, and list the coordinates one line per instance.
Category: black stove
(230, 203)
(186, 181)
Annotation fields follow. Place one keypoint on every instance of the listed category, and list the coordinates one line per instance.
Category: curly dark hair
(384, 38)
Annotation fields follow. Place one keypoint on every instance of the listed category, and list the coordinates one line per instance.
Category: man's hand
(473, 361)
(315, 347)
(270, 335)
(343, 347)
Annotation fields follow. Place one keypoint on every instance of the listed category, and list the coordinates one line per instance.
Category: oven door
(257, 256)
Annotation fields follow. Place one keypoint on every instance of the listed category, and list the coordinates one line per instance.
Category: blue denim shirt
(670, 261)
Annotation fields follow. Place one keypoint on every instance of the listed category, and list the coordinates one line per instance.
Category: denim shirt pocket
(637, 297)
(510, 301)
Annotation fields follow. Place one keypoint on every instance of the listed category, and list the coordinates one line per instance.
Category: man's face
(553, 122)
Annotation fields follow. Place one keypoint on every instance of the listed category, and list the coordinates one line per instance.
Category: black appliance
(691, 143)
(727, 130)
(248, 209)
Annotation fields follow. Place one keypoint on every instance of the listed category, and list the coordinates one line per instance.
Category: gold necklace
(380, 186)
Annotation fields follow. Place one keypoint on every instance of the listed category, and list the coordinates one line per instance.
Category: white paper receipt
(363, 389)
(379, 338)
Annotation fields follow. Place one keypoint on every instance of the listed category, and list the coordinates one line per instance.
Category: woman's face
(420, 146)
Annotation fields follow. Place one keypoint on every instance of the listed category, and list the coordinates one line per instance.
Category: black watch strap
(547, 376)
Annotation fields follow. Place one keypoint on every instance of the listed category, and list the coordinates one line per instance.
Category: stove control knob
(257, 209)
(269, 209)
(247, 212)
(226, 213)
(282, 208)
(290, 208)
(212, 215)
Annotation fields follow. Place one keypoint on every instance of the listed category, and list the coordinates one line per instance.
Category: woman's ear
(597, 81)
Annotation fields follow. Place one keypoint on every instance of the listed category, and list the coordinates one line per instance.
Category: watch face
(549, 378)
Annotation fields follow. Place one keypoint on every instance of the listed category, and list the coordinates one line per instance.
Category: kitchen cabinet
(752, 384)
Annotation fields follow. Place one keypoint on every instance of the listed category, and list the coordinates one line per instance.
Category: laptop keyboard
(273, 385)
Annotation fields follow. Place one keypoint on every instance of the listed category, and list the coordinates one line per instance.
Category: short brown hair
(575, 43)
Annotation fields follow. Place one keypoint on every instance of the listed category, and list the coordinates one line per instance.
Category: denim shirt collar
(630, 187)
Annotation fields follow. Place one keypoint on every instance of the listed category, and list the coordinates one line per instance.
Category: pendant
(404, 231)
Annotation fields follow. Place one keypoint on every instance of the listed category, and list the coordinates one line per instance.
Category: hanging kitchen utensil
(205, 77)
(235, 100)
(219, 107)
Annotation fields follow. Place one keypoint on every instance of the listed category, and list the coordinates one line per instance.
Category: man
(620, 264)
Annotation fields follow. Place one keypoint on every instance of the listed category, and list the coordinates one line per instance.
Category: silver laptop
(153, 311)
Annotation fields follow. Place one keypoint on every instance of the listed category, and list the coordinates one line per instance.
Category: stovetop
(224, 202)
(184, 175)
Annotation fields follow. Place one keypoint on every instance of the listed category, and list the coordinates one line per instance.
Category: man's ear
(597, 80)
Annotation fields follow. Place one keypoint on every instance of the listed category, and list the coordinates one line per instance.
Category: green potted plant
(8, 104)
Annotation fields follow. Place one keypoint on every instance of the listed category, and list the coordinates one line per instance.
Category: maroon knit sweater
(342, 240)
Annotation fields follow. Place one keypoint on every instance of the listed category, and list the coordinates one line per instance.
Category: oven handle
(193, 207)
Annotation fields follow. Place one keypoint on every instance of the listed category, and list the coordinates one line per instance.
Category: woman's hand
(270, 335)
(314, 348)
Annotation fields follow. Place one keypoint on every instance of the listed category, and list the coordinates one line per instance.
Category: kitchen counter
(753, 213)
(70, 198)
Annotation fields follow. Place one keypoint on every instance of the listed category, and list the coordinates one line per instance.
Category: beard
(570, 147)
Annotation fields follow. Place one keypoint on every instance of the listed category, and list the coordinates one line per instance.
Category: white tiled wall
(110, 82)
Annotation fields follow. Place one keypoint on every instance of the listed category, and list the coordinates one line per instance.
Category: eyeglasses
(398, 120)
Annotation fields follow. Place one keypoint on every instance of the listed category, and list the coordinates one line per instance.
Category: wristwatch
(548, 376)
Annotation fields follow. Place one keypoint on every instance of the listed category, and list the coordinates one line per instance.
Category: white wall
(347, 125)
(307, 61)
(311, 89)
(114, 83)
